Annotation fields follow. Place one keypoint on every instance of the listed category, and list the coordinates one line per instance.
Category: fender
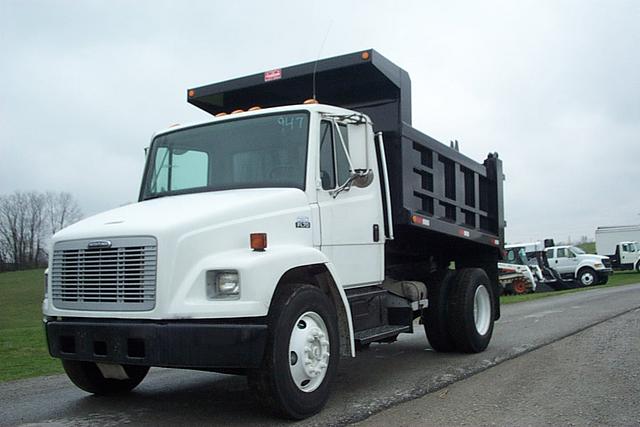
(582, 265)
(260, 273)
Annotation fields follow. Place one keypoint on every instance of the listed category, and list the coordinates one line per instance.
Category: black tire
(638, 267)
(462, 324)
(273, 383)
(587, 277)
(88, 377)
(434, 317)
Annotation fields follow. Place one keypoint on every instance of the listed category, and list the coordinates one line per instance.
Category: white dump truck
(279, 236)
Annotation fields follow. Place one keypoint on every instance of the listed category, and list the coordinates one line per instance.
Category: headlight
(223, 284)
(598, 265)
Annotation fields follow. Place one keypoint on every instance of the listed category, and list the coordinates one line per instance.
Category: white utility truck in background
(621, 244)
(279, 236)
(572, 262)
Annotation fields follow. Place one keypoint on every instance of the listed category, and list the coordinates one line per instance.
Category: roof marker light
(311, 101)
(221, 114)
(191, 93)
(364, 55)
(254, 108)
(237, 111)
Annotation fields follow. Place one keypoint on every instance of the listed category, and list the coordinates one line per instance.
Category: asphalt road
(590, 378)
(379, 378)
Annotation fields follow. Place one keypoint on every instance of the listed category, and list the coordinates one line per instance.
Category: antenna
(315, 65)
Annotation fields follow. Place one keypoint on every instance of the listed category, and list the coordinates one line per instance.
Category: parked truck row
(279, 236)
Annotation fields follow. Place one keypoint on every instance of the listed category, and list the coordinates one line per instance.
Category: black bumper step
(380, 333)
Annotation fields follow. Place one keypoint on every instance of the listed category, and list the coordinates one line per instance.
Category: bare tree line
(27, 221)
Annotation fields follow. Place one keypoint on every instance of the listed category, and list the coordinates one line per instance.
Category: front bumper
(604, 273)
(171, 344)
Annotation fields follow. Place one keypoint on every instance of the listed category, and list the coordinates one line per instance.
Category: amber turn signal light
(258, 241)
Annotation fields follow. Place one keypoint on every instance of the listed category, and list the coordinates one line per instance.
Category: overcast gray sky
(553, 86)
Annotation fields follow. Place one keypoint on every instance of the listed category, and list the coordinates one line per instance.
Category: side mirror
(362, 178)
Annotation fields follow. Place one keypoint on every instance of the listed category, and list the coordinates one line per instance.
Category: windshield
(577, 250)
(255, 152)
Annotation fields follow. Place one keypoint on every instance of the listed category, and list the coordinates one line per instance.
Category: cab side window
(550, 253)
(562, 253)
(342, 164)
(334, 166)
(327, 169)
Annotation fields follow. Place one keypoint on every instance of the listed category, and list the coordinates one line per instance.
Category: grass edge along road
(617, 279)
(23, 351)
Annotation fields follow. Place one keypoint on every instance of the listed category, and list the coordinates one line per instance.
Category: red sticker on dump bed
(272, 75)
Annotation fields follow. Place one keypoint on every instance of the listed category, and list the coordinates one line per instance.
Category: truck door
(628, 254)
(565, 261)
(351, 221)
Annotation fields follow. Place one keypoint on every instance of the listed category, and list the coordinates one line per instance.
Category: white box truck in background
(621, 244)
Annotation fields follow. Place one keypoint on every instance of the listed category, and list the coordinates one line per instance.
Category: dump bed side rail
(447, 192)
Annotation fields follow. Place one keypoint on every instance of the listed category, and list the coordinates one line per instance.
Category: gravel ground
(590, 378)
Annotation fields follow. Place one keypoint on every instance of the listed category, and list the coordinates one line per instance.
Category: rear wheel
(88, 377)
(471, 311)
(434, 317)
(302, 353)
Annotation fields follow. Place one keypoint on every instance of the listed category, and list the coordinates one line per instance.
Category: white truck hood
(594, 258)
(187, 211)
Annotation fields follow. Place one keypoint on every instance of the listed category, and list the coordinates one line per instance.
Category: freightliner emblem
(99, 244)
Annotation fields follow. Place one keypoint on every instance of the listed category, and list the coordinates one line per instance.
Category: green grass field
(23, 351)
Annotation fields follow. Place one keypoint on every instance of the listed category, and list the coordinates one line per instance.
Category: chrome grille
(116, 277)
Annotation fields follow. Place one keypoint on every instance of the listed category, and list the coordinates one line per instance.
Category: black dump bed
(436, 192)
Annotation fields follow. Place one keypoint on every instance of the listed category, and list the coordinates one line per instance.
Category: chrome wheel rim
(587, 278)
(482, 309)
(309, 351)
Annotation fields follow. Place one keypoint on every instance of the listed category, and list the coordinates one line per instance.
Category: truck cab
(626, 256)
(279, 236)
(572, 262)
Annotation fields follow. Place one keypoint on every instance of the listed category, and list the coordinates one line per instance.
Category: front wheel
(302, 353)
(587, 277)
(88, 377)
(471, 311)
(519, 286)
